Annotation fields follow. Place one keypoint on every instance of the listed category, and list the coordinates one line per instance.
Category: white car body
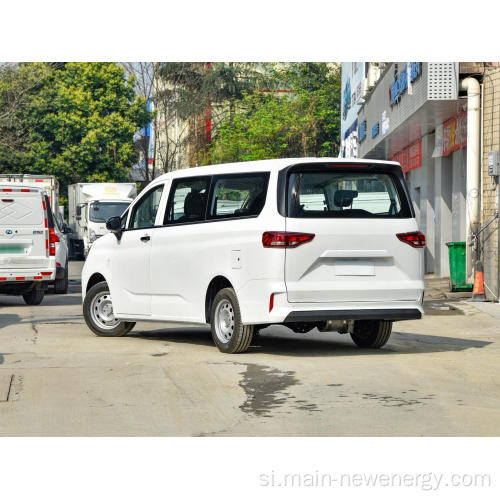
(27, 239)
(50, 185)
(354, 268)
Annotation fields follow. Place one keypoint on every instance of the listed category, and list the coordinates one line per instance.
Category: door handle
(145, 238)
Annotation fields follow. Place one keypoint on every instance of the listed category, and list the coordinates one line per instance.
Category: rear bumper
(353, 314)
(9, 276)
(254, 300)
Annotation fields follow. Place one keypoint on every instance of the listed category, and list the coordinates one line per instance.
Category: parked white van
(311, 242)
(27, 242)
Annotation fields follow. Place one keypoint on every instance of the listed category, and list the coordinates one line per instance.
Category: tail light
(271, 302)
(415, 239)
(285, 239)
(52, 241)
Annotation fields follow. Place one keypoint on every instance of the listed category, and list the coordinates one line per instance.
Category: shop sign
(375, 130)
(362, 130)
(410, 157)
(402, 81)
(454, 134)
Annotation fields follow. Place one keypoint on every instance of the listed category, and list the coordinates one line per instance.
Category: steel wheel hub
(224, 321)
(101, 310)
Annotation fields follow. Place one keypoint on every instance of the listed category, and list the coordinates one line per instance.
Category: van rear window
(354, 194)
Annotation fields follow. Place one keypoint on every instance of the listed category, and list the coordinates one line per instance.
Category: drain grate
(5, 385)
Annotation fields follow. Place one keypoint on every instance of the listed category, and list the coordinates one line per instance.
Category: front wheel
(98, 313)
(34, 296)
(228, 332)
(371, 333)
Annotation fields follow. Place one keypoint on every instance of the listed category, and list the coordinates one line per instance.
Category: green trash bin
(456, 252)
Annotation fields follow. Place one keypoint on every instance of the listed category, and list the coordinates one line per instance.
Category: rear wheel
(371, 333)
(34, 296)
(98, 313)
(61, 285)
(228, 332)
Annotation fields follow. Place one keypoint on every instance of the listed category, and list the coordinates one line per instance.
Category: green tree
(79, 122)
(302, 121)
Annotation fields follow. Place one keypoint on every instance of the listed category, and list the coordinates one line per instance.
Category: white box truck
(90, 205)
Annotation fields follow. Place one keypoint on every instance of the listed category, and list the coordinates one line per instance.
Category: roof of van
(267, 165)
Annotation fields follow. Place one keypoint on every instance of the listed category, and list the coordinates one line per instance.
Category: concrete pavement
(436, 377)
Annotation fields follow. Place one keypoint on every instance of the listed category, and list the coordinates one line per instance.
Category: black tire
(61, 285)
(371, 333)
(121, 328)
(35, 296)
(241, 336)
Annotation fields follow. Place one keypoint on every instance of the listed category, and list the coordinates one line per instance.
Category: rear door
(23, 229)
(355, 214)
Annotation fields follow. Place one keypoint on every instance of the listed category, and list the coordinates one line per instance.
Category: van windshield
(354, 194)
(102, 211)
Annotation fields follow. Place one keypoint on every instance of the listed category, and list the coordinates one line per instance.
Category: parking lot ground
(439, 376)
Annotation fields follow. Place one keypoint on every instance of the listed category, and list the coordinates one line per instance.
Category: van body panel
(355, 214)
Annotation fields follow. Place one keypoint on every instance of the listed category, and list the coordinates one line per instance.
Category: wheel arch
(93, 280)
(216, 284)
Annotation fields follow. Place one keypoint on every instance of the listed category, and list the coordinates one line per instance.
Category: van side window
(144, 212)
(187, 201)
(240, 195)
(123, 219)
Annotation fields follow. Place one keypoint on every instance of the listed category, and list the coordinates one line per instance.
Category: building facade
(417, 113)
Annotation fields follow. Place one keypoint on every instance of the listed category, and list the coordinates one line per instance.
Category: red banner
(410, 157)
(454, 134)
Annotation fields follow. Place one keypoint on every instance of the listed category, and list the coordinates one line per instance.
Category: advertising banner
(454, 134)
(410, 157)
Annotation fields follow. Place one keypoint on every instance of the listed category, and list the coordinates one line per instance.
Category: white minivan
(321, 243)
(27, 242)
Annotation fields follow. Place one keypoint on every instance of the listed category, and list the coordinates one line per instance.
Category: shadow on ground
(286, 345)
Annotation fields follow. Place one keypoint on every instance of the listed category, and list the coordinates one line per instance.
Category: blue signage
(362, 130)
(375, 130)
(400, 83)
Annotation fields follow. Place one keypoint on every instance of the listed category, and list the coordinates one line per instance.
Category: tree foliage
(297, 116)
(78, 122)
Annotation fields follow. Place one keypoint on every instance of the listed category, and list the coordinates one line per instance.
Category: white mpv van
(27, 242)
(326, 243)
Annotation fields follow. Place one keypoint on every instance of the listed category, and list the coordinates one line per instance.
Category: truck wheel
(371, 333)
(34, 296)
(61, 285)
(98, 313)
(228, 332)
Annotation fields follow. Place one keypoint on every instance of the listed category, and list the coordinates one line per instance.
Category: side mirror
(78, 211)
(114, 224)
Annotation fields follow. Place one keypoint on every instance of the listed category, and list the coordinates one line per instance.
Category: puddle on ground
(266, 390)
(441, 307)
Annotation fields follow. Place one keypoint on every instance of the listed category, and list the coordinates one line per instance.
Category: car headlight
(92, 236)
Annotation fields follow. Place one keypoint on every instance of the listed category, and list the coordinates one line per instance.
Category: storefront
(414, 116)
